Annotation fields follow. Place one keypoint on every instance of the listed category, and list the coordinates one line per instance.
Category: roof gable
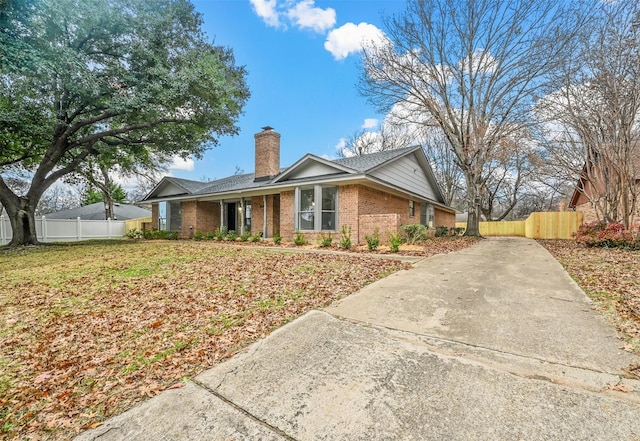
(311, 166)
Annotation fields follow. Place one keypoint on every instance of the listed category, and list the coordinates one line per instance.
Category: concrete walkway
(495, 342)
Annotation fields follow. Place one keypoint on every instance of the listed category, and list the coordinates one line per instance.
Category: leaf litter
(90, 329)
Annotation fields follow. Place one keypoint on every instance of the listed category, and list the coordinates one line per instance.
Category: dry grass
(88, 330)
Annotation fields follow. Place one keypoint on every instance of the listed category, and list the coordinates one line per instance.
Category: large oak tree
(112, 81)
(474, 68)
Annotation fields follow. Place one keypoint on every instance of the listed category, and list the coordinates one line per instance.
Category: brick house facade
(382, 190)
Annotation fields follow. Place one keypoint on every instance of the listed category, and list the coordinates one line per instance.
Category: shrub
(415, 233)
(601, 234)
(325, 241)
(459, 231)
(134, 233)
(395, 240)
(299, 239)
(220, 233)
(345, 237)
(231, 236)
(373, 241)
(442, 231)
(256, 237)
(245, 236)
(198, 235)
(277, 239)
(161, 234)
(209, 235)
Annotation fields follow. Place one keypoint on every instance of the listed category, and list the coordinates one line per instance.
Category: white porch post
(264, 215)
(221, 214)
(241, 215)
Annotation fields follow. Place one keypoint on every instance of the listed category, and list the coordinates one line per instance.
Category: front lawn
(87, 330)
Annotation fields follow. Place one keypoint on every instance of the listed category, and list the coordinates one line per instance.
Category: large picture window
(316, 208)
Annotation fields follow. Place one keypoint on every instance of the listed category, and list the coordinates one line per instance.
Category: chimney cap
(267, 128)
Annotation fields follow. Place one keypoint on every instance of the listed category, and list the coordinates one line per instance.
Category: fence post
(109, 227)
(44, 229)
(79, 228)
(2, 235)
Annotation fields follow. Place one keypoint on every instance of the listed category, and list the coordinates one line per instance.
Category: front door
(231, 216)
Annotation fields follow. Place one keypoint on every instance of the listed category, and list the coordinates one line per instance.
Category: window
(306, 209)
(169, 216)
(247, 217)
(329, 199)
(426, 214)
(412, 209)
(312, 216)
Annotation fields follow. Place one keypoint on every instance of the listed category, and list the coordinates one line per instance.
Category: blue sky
(302, 63)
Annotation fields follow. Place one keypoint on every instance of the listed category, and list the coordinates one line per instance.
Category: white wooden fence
(67, 230)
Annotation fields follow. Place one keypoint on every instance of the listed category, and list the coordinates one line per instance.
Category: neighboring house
(382, 190)
(97, 212)
(591, 186)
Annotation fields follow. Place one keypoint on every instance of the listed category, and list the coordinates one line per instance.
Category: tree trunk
(473, 209)
(23, 223)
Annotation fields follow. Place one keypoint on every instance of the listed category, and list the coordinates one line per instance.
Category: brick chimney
(267, 154)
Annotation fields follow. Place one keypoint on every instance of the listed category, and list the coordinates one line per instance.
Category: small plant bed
(611, 278)
(429, 247)
(89, 329)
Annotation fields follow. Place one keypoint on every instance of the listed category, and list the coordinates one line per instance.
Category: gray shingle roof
(359, 164)
(187, 184)
(367, 162)
(235, 182)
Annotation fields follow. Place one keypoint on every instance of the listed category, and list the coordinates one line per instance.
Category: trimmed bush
(395, 240)
(345, 237)
(373, 241)
(442, 231)
(415, 233)
(325, 241)
(601, 234)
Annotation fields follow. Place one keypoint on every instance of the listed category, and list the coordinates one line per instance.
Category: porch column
(221, 214)
(241, 216)
(264, 216)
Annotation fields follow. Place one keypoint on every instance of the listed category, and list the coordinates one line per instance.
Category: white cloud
(177, 163)
(306, 15)
(351, 38)
(370, 123)
(266, 9)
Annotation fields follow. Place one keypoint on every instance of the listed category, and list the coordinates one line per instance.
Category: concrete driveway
(495, 342)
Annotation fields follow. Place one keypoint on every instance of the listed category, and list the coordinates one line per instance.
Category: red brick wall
(257, 214)
(189, 211)
(155, 212)
(441, 217)
(385, 223)
(286, 215)
(207, 216)
(364, 209)
(267, 153)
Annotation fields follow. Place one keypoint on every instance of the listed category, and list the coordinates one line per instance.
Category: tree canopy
(472, 69)
(126, 82)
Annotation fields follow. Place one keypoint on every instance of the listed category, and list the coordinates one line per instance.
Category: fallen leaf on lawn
(92, 425)
(176, 386)
(43, 377)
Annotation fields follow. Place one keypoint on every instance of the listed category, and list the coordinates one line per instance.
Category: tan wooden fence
(539, 225)
(136, 224)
